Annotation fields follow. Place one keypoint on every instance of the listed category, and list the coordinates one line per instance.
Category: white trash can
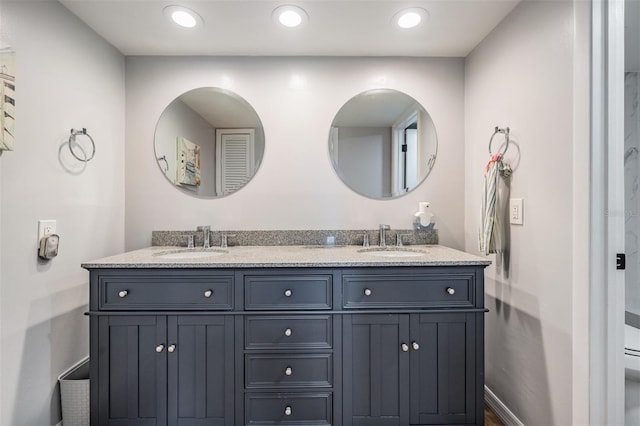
(74, 394)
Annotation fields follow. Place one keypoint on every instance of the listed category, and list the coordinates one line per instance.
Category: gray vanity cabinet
(376, 370)
(405, 369)
(158, 370)
(200, 373)
(131, 385)
(353, 346)
(156, 358)
(289, 348)
(422, 367)
(442, 372)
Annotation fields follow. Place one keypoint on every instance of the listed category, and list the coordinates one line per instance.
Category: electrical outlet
(516, 211)
(45, 227)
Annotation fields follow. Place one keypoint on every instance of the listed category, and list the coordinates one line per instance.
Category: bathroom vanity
(287, 336)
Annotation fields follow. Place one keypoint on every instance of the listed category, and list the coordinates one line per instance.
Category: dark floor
(490, 418)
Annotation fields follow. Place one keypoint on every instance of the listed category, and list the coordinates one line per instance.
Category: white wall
(521, 76)
(66, 77)
(364, 159)
(295, 187)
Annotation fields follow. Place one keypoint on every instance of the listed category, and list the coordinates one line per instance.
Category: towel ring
(504, 131)
(164, 158)
(72, 140)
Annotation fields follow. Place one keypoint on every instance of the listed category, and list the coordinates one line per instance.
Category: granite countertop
(290, 256)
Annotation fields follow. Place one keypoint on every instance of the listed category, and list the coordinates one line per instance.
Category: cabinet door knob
(123, 293)
(451, 291)
(415, 346)
(367, 292)
(287, 410)
(159, 348)
(288, 293)
(171, 348)
(405, 347)
(288, 332)
(288, 371)
(208, 293)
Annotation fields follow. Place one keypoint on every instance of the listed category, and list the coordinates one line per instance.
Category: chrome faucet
(225, 242)
(205, 231)
(399, 239)
(383, 239)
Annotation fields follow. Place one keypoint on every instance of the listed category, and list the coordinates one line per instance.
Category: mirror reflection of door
(405, 167)
(234, 159)
(410, 158)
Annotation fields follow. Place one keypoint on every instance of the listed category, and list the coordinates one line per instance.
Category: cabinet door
(132, 370)
(443, 369)
(376, 375)
(200, 370)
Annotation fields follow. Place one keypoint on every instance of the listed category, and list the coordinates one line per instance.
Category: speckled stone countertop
(289, 256)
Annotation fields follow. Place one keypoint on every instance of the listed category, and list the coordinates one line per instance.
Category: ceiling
(375, 108)
(334, 28)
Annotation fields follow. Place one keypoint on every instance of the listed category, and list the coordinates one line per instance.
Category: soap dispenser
(423, 219)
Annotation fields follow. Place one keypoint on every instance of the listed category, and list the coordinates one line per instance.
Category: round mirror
(209, 142)
(382, 143)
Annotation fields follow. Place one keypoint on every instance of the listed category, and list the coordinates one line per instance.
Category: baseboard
(501, 410)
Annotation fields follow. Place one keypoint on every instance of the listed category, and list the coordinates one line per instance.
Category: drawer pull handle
(288, 332)
(287, 410)
(288, 371)
(171, 348)
(367, 292)
(208, 293)
(415, 346)
(451, 291)
(405, 347)
(123, 293)
(159, 348)
(288, 293)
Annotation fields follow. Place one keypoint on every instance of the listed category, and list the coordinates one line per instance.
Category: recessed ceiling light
(183, 16)
(410, 18)
(290, 16)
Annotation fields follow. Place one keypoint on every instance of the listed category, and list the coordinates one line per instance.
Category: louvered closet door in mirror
(234, 159)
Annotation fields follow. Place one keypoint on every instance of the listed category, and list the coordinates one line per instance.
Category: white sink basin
(190, 254)
(392, 252)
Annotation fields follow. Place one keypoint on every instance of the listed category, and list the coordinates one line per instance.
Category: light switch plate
(516, 212)
(45, 227)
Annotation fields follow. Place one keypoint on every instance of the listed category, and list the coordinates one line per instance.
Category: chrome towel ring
(72, 140)
(505, 132)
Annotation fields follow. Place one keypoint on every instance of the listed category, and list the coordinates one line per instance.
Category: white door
(234, 159)
(411, 159)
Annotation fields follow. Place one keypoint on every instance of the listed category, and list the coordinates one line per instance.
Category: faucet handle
(224, 244)
(385, 227)
(399, 239)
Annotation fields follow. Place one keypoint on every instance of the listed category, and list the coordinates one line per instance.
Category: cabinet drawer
(288, 371)
(408, 291)
(288, 409)
(288, 332)
(264, 292)
(157, 292)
